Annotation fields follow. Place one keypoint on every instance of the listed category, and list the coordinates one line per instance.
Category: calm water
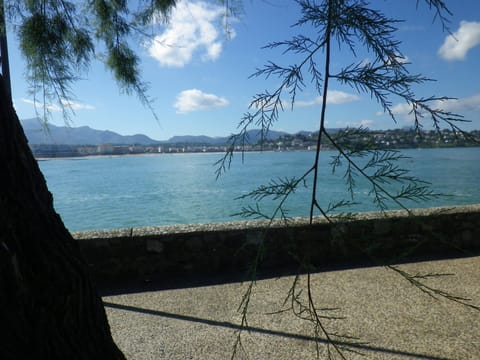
(115, 192)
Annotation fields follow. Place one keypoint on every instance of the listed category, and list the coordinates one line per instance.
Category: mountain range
(38, 133)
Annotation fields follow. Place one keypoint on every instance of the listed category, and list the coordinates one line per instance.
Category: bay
(130, 191)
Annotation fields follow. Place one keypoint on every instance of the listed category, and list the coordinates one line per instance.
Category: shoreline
(86, 157)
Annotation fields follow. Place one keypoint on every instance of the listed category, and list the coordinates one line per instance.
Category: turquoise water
(116, 192)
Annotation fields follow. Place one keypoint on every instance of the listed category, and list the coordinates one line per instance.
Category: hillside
(253, 138)
(38, 133)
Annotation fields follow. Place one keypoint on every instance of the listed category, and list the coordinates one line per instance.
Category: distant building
(105, 149)
(121, 150)
(136, 149)
(87, 150)
(53, 150)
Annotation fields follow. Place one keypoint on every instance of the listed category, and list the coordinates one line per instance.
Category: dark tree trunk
(49, 308)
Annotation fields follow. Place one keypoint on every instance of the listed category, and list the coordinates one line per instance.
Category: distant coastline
(304, 141)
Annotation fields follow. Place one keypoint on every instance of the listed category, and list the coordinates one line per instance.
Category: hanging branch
(350, 24)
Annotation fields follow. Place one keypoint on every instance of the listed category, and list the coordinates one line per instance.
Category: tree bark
(49, 308)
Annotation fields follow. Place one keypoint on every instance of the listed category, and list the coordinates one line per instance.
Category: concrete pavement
(391, 318)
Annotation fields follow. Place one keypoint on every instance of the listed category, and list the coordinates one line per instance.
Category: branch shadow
(258, 330)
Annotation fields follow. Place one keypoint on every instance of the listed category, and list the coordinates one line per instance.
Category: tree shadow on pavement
(229, 325)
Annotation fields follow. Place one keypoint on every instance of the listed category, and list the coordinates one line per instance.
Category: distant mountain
(38, 133)
(195, 139)
(253, 137)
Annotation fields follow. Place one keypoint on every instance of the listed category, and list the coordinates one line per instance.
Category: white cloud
(195, 100)
(456, 45)
(401, 59)
(333, 97)
(305, 103)
(340, 97)
(56, 108)
(402, 109)
(366, 123)
(192, 28)
(458, 106)
(471, 103)
(77, 106)
(38, 104)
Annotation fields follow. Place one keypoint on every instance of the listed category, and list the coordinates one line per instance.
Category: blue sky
(199, 77)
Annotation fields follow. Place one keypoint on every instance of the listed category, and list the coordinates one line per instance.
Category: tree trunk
(49, 308)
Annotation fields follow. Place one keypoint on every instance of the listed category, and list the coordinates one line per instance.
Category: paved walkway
(391, 318)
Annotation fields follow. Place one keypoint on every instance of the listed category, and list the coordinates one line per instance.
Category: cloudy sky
(200, 76)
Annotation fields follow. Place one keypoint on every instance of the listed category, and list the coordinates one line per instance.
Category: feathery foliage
(346, 26)
(60, 38)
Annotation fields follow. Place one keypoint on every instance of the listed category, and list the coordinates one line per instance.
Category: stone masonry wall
(231, 247)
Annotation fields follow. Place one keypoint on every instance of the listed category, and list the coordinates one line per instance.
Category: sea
(92, 193)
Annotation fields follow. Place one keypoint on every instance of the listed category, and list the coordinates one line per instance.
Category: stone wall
(231, 247)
